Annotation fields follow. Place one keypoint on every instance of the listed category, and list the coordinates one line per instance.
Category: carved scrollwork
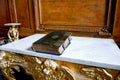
(38, 68)
(99, 73)
(33, 68)
(95, 73)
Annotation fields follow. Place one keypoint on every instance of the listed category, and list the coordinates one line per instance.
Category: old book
(55, 42)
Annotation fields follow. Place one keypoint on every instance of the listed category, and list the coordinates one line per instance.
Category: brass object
(37, 68)
(13, 33)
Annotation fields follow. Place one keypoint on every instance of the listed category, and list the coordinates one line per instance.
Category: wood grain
(116, 28)
(4, 12)
(22, 10)
(65, 15)
(73, 12)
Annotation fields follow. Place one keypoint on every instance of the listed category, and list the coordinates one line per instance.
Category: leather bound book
(54, 42)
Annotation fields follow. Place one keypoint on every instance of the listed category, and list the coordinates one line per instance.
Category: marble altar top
(99, 52)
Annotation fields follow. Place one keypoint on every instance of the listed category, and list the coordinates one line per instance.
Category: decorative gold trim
(37, 68)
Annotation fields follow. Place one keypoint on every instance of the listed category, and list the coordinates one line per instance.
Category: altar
(84, 58)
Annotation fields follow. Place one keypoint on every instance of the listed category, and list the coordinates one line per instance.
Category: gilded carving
(37, 68)
(99, 73)
(13, 33)
(33, 68)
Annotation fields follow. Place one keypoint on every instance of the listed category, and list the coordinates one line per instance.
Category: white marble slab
(82, 50)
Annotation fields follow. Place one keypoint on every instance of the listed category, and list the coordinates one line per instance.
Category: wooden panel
(116, 29)
(72, 15)
(24, 15)
(4, 16)
(22, 12)
(4, 12)
(73, 12)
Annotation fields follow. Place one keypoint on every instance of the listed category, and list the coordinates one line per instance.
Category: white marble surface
(82, 50)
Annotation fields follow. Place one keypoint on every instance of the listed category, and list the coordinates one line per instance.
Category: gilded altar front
(24, 67)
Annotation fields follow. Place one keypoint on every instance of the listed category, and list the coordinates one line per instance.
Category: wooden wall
(93, 18)
(4, 16)
(71, 15)
(116, 27)
(22, 11)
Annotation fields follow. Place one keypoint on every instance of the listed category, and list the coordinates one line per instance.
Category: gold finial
(13, 33)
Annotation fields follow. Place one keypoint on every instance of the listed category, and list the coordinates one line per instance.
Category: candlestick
(13, 33)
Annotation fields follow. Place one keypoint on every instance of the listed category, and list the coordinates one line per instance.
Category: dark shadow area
(2, 77)
(21, 75)
(119, 46)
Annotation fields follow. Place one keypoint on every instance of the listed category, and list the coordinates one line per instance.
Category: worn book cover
(54, 42)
